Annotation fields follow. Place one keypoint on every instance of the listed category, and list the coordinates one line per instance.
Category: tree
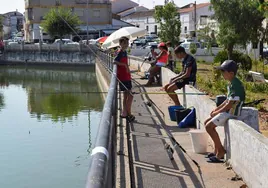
(207, 35)
(264, 8)
(60, 22)
(240, 22)
(168, 18)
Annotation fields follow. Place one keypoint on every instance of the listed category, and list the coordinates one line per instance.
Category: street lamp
(87, 22)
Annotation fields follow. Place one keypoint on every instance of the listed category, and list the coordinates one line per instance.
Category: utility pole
(87, 22)
(195, 20)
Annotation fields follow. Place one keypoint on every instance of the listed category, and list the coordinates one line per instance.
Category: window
(147, 28)
(185, 29)
(203, 20)
(96, 13)
(155, 29)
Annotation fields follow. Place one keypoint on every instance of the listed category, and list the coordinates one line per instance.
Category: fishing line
(92, 51)
(133, 93)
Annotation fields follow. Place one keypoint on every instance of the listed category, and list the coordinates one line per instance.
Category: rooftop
(190, 7)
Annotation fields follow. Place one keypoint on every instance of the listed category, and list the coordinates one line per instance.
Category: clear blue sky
(12, 5)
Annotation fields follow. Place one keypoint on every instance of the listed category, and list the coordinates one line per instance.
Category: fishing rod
(255, 102)
(173, 140)
(134, 93)
(111, 72)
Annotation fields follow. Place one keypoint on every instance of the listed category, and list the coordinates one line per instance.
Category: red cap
(161, 44)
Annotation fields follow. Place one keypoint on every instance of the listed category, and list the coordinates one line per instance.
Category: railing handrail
(102, 154)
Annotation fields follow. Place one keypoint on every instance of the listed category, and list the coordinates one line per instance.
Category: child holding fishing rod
(187, 75)
(124, 77)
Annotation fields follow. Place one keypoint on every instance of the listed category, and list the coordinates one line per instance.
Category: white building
(143, 19)
(187, 17)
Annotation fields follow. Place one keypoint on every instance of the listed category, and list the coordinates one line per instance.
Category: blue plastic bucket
(172, 113)
(189, 120)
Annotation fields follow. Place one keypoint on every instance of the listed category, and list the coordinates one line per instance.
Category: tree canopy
(55, 22)
(168, 18)
(240, 22)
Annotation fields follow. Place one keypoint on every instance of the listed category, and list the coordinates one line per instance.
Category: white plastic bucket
(199, 140)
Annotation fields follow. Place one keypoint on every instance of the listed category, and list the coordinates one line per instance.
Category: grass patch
(211, 81)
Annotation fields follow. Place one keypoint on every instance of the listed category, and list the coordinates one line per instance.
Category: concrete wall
(70, 54)
(49, 57)
(248, 153)
(103, 78)
(247, 149)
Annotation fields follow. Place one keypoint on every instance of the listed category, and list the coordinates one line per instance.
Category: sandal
(214, 159)
(210, 155)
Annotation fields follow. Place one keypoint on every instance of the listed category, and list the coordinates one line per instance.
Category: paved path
(150, 165)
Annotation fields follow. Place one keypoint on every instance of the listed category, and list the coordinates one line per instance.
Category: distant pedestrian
(230, 108)
(124, 77)
(161, 61)
(171, 56)
(187, 75)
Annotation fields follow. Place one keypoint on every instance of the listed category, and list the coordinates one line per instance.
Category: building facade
(143, 19)
(194, 18)
(97, 13)
(12, 24)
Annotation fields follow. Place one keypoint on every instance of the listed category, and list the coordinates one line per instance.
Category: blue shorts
(125, 85)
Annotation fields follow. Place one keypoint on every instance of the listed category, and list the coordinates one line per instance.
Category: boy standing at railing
(124, 78)
(230, 108)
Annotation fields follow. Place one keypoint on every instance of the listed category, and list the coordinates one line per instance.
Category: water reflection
(3, 84)
(46, 136)
(42, 87)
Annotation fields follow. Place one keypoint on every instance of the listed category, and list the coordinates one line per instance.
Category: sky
(12, 5)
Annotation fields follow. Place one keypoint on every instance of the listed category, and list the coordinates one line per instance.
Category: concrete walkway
(147, 159)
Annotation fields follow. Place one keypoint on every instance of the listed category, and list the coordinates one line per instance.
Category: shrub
(242, 59)
(193, 48)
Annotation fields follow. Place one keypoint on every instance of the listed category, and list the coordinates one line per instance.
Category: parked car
(187, 45)
(265, 52)
(65, 41)
(151, 44)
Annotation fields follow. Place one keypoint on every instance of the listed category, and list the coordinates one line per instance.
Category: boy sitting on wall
(230, 108)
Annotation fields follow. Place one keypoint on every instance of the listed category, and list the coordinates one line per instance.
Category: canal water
(48, 125)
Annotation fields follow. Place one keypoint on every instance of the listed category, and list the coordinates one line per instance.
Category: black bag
(181, 114)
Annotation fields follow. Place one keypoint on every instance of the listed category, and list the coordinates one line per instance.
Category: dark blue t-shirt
(189, 61)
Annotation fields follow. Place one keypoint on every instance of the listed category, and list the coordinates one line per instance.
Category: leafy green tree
(240, 22)
(168, 18)
(55, 22)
